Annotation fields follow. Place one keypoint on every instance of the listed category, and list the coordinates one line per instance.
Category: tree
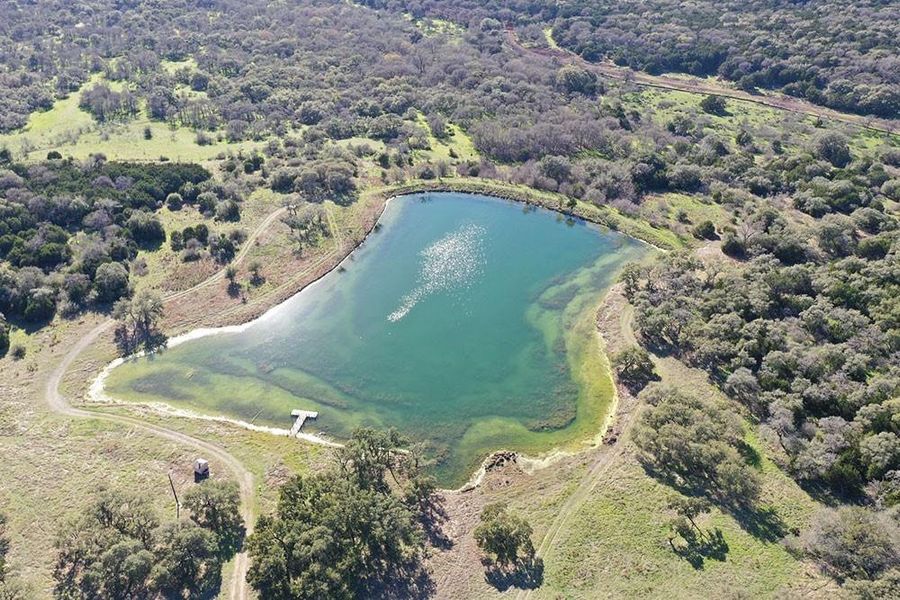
(228, 210)
(705, 230)
(40, 304)
(256, 277)
(631, 276)
(4, 335)
(145, 228)
(215, 505)
(690, 508)
(111, 281)
(557, 168)
(837, 235)
(369, 455)
(505, 537)
(138, 323)
(231, 275)
(634, 367)
(104, 552)
(346, 532)
(714, 105)
(694, 441)
(116, 548)
(188, 562)
(329, 538)
(851, 542)
(575, 79)
(834, 148)
(174, 201)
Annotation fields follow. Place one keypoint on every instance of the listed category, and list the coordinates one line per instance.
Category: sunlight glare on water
(451, 263)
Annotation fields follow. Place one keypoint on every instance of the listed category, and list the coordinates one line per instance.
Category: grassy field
(794, 131)
(615, 544)
(53, 466)
(71, 131)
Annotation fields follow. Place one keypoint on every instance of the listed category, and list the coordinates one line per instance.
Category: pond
(466, 322)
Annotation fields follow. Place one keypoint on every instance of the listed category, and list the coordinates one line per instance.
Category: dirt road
(59, 404)
(709, 87)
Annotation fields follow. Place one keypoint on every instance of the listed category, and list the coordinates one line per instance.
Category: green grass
(795, 131)
(456, 140)
(73, 132)
(430, 27)
(171, 66)
(548, 34)
(53, 467)
(663, 210)
(615, 544)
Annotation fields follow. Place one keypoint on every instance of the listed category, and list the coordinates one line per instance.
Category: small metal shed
(201, 469)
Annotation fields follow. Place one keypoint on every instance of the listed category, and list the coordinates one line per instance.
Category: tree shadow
(636, 385)
(432, 516)
(231, 541)
(762, 523)
(699, 548)
(234, 289)
(527, 575)
(750, 455)
(409, 581)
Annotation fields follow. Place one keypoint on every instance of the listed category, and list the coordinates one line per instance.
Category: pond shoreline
(96, 392)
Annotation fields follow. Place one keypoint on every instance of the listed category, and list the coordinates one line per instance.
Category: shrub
(714, 105)
(505, 537)
(634, 367)
(705, 230)
(111, 282)
(851, 542)
(228, 210)
(174, 201)
(145, 228)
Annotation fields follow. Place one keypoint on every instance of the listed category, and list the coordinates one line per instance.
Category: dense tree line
(783, 45)
(545, 119)
(805, 334)
(356, 531)
(828, 52)
(119, 548)
(68, 229)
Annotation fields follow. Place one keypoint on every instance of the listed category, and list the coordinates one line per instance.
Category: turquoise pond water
(465, 322)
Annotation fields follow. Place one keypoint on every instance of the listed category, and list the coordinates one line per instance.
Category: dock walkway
(300, 417)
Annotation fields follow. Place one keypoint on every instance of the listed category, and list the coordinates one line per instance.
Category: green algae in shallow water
(465, 322)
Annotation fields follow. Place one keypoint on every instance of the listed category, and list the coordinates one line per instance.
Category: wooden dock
(300, 417)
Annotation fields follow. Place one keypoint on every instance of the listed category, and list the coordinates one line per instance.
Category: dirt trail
(245, 249)
(700, 86)
(59, 404)
(604, 458)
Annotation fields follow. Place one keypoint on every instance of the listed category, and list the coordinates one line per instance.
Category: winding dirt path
(605, 458)
(700, 86)
(242, 253)
(61, 405)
